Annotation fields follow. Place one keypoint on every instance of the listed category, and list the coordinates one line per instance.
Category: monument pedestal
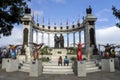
(81, 69)
(57, 52)
(35, 68)
(12, 65)
(5, 62)
(108, 65)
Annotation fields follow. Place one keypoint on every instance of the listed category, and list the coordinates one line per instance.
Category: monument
(88, 26)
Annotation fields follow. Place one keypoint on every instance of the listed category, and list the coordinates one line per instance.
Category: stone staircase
(25, 67)
(91, 66)
(53, 68)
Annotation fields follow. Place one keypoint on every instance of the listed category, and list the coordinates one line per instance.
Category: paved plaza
(92, 76)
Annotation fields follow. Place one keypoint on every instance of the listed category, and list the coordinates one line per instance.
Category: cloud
(103, 15)
(102, 20)
(15, 38)
(108, 35)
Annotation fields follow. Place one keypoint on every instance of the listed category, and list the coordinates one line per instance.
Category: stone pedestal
(12, 65)
(117, 63)
(81, 69)
(57, 53)
(36, 68)
(108, 65)
(4, 62)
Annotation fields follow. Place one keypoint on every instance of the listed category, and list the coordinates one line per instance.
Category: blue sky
(61, 10)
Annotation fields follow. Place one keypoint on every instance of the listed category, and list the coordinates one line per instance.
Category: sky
(62, 10)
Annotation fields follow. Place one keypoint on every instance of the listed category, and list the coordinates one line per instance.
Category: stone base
(12, 65)
(81, 69)
(117, 63)
(35, 68)
(4, 62)
(56, 53)
(108, 65)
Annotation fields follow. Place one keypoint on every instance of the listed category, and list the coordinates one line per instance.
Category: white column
(49, 39)
(36, 36)
(79, 36)
(73, 39)
(42, 37)
(67, 39)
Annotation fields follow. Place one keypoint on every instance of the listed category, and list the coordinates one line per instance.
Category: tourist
(60, 61)
(66, 61)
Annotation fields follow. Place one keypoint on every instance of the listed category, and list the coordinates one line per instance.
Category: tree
(11, 12)
(116, 13)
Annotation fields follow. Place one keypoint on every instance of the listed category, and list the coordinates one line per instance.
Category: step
(57, 67)
(92, 69)
(57, 70)
(67, 72)
(90, 65)
(90, 62)
(52, 64)
(26, 65)
(24, 69)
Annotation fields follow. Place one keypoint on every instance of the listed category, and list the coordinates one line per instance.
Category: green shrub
(45, 59)
(73, 58)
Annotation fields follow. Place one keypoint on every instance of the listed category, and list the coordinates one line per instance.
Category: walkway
(92, 76)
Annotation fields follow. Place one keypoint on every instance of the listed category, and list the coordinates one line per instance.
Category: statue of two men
(58, 41)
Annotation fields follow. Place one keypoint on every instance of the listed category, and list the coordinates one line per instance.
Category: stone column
(79, 36)
(73, 39)
(28, 24)
(42, 37)
(89, 28)
(49, 39)
(67, 39)
(36, 36)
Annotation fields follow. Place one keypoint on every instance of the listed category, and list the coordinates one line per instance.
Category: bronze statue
(61, 41)
(56, 41)
(89, 10)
